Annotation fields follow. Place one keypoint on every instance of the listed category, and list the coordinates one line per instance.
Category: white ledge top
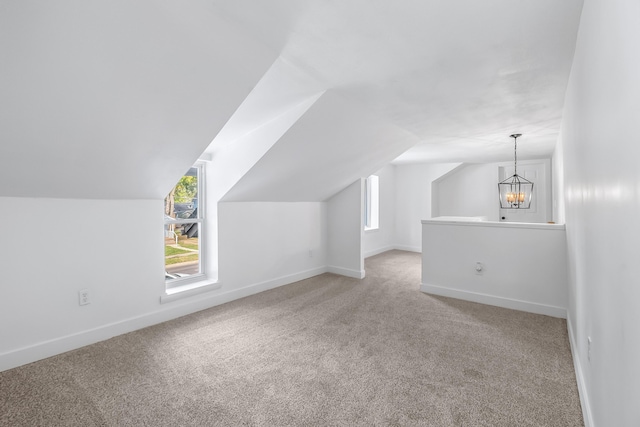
(501, 224)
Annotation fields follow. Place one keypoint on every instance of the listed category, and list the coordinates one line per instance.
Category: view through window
(183, 222)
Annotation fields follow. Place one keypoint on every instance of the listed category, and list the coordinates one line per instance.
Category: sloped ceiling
(460, 75)
(333, 144)
(277, 102)
(414, 81)
(118, 98)
(115, 99)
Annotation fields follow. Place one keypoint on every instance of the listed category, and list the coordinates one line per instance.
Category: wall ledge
(513, 304)
(498, 224)
(189, 290)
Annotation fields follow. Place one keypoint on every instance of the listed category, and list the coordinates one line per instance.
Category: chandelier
(515, 192)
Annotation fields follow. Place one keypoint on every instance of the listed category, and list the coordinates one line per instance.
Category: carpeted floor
(324, 351)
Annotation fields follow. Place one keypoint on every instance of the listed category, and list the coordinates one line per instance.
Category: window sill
(369, 230)
(189, 290)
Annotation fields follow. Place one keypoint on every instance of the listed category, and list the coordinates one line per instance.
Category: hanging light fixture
(515, 192)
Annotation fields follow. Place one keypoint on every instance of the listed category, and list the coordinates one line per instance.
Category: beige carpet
(324, 351)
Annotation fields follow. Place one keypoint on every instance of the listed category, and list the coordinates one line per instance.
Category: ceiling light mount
(515, 192)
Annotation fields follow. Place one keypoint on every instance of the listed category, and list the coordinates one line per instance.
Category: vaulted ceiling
(115, 99)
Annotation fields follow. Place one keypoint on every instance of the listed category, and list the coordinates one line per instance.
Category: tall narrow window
(183, 227)
(371, 203)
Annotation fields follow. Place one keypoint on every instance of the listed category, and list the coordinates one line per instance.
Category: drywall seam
(514, 304)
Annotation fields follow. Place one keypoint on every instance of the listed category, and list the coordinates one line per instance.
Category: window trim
(200, 220)
(371, 203)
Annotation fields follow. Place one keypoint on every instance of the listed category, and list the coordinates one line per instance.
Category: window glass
(182, 200)
(182, 250)
(183, 223)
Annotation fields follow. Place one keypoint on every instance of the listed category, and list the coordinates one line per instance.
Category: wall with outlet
(518, 266)
(76, 272)
(599, 153)
(55, 248)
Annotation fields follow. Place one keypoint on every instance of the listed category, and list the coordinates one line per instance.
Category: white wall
(413, 201)
(52, 248)
(600, 151)
(469, 190)
(557, 171)
(231, 161)
(383, 238)
(266, 244)
(523, 266)
(113, 248)
(344, 231)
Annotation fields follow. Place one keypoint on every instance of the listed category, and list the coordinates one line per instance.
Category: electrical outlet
(589, 349)
(479, 268)
(83, 297)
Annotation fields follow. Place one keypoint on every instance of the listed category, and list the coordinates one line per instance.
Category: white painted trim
(501, 224)
(391, 248)
(188, 290)
(271, 284)
(514, 304)
(378, 251)
(357, 274)
(206, 157)
(582, 386)
(166, 312)
(408, 248)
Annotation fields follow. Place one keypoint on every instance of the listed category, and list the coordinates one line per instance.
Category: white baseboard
(166, 312)
(514, 304)
(378, 251)
(582, 386)
(408, 248)
(271, 284)
(390, 248)
(357, 274)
